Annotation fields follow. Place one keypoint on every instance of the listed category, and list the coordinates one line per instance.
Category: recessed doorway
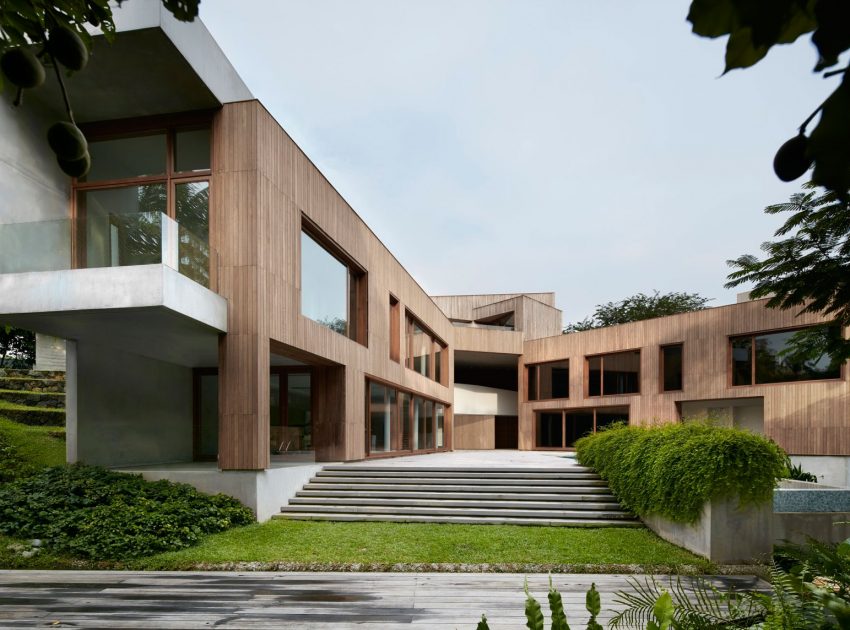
(507, 432)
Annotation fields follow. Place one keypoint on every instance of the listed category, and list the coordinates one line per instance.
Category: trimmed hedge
(673, 470)
(100, 514)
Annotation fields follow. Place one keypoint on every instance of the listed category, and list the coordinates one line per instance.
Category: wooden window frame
(396, 429)
(168, 125)
(357, 284)
(661, 349)
(536, 367)
(409, 321)
(395, 329)
(564, 412)
(730, 364)
(602, 356)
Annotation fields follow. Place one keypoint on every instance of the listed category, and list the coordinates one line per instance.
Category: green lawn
(36, 445)
(305, 542)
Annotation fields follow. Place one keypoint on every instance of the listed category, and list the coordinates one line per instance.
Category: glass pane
(418, 429)
(554, 380)
(275, 415)
(594, 376)
(532, 381)
(429, 424)
(192, 150)
(404, 420)
(127, 157)
(208, 430)
(438, 354)
(579, 424)
(607, 417)
(298, 410)
(742, 361)
(421, 349)
(324, 286)
(621, 373)
(123, 226)
(549, 430)
(382, 410)
(790, 356)
(440, 411)
(672, 368)
(192, 203)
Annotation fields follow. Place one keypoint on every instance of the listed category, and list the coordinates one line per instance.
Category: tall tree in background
(639, 307)
(17, 348)
(807, 267)
(754, 27)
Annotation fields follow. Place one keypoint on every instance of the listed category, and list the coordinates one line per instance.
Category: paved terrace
(115, 600)
(478, 459)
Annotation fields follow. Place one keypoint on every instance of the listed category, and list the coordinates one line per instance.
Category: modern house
(230, 319)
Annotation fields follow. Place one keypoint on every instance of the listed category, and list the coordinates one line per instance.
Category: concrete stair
(574, 496)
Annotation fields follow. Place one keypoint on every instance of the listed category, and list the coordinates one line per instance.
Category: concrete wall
(49, 353)
(130, 409)
(830, 470)
(480, 400)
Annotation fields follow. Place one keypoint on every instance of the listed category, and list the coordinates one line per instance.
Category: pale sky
(586, 148)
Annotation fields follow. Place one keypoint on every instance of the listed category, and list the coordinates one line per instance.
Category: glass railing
(485, 326)
(106, 240)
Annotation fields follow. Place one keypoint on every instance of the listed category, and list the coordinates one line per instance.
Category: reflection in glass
(192, 150)
(672, 361)
(440, 411)
(298, 407)
(788, 356)
(550, 432)
(275, 412)
(123, 226)
(192, 205)
(742, 361)
(207, 439)
(578, 424)
(381, 417)
(421, 350)
(324, 286)
(594, 376)
(621, 373)
(429, 424)
(404, 409)
(127, 157)
(554, 379)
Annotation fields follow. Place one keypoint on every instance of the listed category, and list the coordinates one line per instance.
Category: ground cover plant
(672, 470)
(25, 449)
(306, 544)
(94, 513)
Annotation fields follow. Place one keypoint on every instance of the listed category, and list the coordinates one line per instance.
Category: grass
(37, 445)
(329, 543)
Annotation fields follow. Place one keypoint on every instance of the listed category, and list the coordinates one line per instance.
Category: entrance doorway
(507, 432)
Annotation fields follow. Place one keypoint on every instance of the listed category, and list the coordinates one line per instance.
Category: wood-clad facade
(805, 418)
(264, 190)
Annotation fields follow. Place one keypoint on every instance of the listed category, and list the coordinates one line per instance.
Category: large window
(402, 421)
(612, 374)
(333, 286)
(548, 380)
(145, 201)
(425, 353)
(783, 357)
(561, 428)
(671, 368)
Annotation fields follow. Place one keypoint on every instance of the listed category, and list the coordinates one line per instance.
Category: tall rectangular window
(425, 353)
(333, 287)
(671, 368)
(382, 418)
(547, 381)
(395, 329)
(615, 373)
(137, 187)
(785, 356)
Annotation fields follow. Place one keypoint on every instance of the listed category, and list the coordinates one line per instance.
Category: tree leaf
(533, 613)
(830, 141)
(556, 606)
(740, 51)
(712, 18)
(663, 611)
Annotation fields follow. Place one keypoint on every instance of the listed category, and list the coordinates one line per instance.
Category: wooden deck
(437, 601)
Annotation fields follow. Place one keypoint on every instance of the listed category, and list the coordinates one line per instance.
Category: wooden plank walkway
(437, 601)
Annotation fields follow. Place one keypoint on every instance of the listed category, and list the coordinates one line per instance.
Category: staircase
(33, 397)
(572, 496)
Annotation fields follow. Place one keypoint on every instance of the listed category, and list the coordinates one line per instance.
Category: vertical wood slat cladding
(263, 183)
(804, 418)
(473, 432)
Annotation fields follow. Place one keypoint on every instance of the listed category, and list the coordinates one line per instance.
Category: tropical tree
(638, 307)
(17, 347)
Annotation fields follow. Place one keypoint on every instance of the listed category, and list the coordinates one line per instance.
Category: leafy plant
(639, 307)
(96, 513)
(674, 469)
(797, 473)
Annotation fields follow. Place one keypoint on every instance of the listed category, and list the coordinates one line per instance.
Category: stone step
(452, 469)
(466, 520)
(601, 494)
(450, 503)
(41, 374)
(444, 511)
(54, 400)
(456, 474)
(32, 384)
(35, 416)
(454, 481)
(600, 488)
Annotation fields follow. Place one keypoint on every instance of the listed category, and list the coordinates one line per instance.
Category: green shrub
(672, 470)
(96, 513)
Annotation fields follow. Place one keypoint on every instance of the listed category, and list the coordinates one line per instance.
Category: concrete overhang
(155, 65)
(150, 310)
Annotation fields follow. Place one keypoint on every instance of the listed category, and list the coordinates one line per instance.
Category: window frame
(661, 365)
(436, 342)
(564, 411)
(602, 356)
(730, 363)
(395, 329)
(357, 284)
(536, 367)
